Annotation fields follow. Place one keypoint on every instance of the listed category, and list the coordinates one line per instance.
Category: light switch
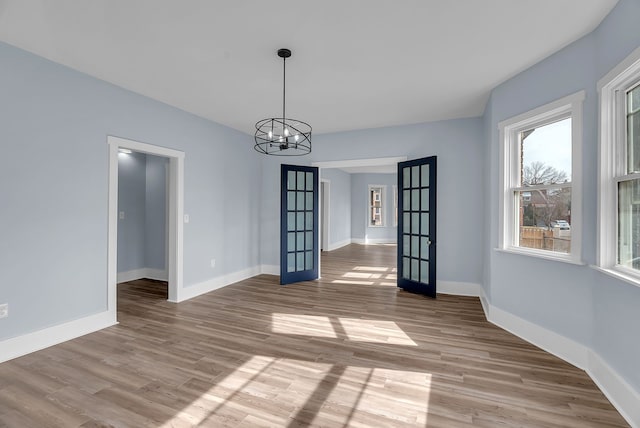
(121, 215)
(186, 218)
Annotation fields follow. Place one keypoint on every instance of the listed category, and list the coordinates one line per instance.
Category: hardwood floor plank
(350, 349)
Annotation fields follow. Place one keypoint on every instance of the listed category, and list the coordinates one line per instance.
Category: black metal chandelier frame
(281, 136)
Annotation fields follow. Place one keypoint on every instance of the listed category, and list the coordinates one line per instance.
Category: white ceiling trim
(356, 163)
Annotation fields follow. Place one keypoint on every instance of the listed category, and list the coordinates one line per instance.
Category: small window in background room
(395, 205)
(375, 206)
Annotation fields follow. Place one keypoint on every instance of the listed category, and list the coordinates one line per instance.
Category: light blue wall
(360, 229)
(459, 147)
(131, 200)
(142, 197)
(54, 124)
(339, 205)
(574, 301)
(512, 284)
(616, 304)
(155, 212)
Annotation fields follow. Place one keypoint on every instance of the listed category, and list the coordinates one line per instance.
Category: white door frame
(325, 218)
(176, 209)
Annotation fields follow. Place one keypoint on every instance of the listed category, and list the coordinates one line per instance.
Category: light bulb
(270, 135)
(296, 137)
(286, 132)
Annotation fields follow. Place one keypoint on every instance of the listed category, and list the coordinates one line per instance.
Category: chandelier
(280, 136)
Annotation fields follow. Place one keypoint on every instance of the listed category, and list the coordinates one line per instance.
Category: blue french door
(417, 225)
(298, 224)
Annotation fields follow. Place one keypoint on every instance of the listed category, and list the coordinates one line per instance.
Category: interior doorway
(143, 215)
(354, 166)
(175, 212)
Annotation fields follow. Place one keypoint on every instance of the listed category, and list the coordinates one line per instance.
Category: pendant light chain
(284, 86)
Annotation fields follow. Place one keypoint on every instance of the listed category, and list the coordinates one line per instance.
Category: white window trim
(395, 205)
(383, 192)
(612, 89)
(569, 106)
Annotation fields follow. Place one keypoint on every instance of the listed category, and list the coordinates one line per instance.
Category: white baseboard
(623, 397)
(158, 274)
(270, 269)
(372, 241)
(41, 339)
(485, 304)
(458, 288)
(552, 342)
(339, 244)
(216, 283)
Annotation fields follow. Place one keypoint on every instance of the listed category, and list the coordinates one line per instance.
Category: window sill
(629, 279)
(542, 255)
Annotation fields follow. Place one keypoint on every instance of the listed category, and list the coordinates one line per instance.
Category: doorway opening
(338, 235)
(175, 209)
(143, 204)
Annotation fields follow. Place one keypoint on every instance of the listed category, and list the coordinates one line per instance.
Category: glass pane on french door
(416, 225)
(298, 224)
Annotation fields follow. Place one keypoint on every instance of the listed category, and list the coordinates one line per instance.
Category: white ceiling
(356, 63)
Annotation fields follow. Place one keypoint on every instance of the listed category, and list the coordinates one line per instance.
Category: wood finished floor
(348, 350)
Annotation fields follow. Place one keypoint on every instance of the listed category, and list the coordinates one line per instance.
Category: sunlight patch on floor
(352, 329)
(305, 325)
(374, 331)
(361, 398)
(347, 395)
(372, 268)
(258, 379)
(344, 281)
(361, 275)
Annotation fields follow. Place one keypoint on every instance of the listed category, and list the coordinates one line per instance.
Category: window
(395, 205)
(541, 181)
(376, 206)
(619, 202)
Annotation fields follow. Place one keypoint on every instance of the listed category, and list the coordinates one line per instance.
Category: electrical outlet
(213, 263)
(4, 310)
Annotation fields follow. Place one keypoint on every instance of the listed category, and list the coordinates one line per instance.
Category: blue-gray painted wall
(155, 227)
(360, 229)
(132, 185)
(54, 124)
(574, 301)
(142, 197)
(339, 205)
(459, 146)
